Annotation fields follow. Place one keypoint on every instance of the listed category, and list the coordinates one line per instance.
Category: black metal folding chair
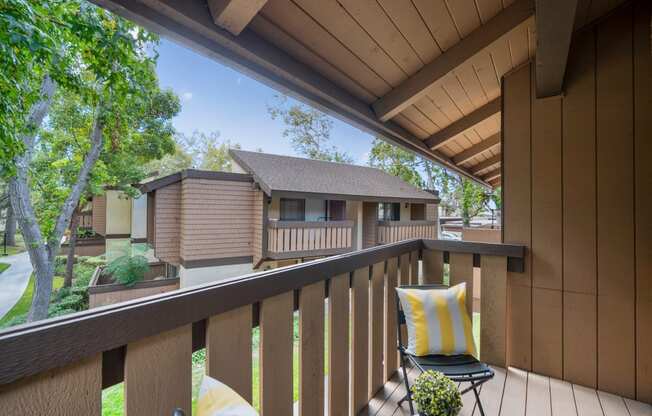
(458, 368)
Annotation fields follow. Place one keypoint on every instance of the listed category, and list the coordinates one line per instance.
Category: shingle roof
(276, 173)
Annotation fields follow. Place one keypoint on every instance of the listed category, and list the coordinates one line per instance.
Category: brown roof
(285, 174)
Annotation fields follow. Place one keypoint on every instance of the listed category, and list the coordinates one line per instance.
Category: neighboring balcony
(393, 231)
(294, 239)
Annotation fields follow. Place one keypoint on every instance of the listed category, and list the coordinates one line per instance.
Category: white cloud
(186, 96)
(238, 80)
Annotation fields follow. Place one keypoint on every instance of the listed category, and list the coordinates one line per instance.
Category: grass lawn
(25, 301)
(11, 250)
(3, 267)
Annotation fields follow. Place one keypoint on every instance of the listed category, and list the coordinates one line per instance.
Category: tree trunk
(10, 227)
(72, 243)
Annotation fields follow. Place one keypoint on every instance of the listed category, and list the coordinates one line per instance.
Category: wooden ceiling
(425, 74)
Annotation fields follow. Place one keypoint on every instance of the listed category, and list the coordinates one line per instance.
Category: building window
(293, 209)
(418, 212)
(336, 210)
(389, 211)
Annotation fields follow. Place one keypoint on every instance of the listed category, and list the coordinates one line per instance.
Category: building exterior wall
(167, 218)
(406, 212)
(354, 213)
(139, 217)
(577, 174)
(200, 275)
(259, 205)
(99, 214)
(118, 213)
(486, 235)
(217, 219)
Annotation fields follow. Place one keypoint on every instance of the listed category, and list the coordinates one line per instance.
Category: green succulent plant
(436, 395)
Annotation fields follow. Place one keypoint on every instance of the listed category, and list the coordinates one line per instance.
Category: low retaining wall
(86, 247)
(102, 292)
(484, 235)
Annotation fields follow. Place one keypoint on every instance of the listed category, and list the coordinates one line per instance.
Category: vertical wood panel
(493, 329)
(75, 389)
(155, 386)
(433, 267)
(338, 346)
(579, 216)
(404, 277)
(376, 330)
(390, 353)
(414, 268)
(311, 349)
(461, 270)
(643, 183)
(276, 355)
(616, 349)
(228, 349)
(547, 332)
(360, 340)
(517, 210)
(580, 338)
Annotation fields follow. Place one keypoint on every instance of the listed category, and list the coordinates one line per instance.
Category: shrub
(436, 395)
(127, 270)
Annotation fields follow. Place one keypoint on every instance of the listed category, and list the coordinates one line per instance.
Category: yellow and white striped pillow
(218, 399)
(437, 321)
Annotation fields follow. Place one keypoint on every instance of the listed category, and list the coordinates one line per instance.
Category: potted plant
(434, 394)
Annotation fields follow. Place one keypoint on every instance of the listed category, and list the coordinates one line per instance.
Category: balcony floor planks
(560, 398)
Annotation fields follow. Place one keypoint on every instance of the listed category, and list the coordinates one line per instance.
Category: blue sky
(216, 97)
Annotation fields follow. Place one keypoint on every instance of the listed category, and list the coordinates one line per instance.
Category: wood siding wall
(167, 215)
(217, 219)
(577, 191)
(369, 224)
(99, 214)
(258, 225)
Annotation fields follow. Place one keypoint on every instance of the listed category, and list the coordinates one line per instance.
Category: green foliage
(127, 270)
(396, 161)
(436, 395)
(309, 130)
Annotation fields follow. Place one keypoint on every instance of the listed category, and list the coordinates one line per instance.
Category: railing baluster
(376, 320)
(493, 304)
(461, 270)
(414, 268)
(390, 352)
(228, 349)
(360, 340)
(75, 389)
(311, 349)
(158, 373)
(338, 346)
(276, 354)
(433, 266)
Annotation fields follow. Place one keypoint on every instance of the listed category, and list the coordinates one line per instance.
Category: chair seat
(453, 366)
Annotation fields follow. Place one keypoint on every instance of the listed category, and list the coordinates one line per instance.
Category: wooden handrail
(399, 223)
(309, 224)
(34, 348)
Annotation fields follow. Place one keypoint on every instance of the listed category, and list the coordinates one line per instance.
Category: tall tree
(74, 46)
(309, 130)
(396, 161)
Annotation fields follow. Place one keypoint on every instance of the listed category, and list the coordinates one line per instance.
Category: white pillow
(218, 399)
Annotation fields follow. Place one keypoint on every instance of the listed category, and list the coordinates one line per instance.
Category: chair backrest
(401, 315)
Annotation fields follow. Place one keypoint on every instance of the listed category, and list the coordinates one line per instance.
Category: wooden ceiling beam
(554, 23)
(495, 183)
(234, 15)
(412, 89)
(477, 149)
(447, 133)
(493, 175)
(492, 161)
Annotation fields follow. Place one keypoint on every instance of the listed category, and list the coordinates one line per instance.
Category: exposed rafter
(417, 85)
(476, 149)
(447, 133)
(492, 161)
(493, 175)
(234, 15)
(496, 182)
(554, 23)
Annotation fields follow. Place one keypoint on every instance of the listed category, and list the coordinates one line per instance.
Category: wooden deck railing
(59, 366)
(293, 239)
(393, 231)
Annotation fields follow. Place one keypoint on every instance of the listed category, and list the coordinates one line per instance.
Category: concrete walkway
(14, 280)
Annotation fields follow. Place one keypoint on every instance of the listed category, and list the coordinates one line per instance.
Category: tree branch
(97, 140)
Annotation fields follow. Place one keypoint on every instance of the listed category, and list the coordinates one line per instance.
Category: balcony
(296, 239)
(344, 309)
(393, 231)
